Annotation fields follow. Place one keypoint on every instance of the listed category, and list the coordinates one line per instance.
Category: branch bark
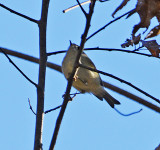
(108, 24)
(41, 79)
(70, 81)
(19, 14)
(121, 80)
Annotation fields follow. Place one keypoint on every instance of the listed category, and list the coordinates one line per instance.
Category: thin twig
(57, 52)
(84, 12)
(18, 68)
(83, 3)
(61, 105)
(121, 80)
(130, 114)
(120, 50)
(131, 96)
(108, 24)
(19, 14)
(107, 49)
(30, 106)
(126, 115)
(75, 6)
(53, 109)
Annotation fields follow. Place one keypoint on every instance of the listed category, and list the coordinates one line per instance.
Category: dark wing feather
(85, 59)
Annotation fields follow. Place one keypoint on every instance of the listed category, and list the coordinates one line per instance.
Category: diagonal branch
(18, 68)
(75, 6)
(70, 81)
(84, 12)
(131, 96)
(108, 24)
(121, 80)
(30, 58)
(19, 14)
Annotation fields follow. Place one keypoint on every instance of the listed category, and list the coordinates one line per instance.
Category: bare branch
(121, 50)
(84, 12)
(53, 109)
(18, 68)
(42, 24)
(70, 81)
(121, 80)
(83, 3)
(108, 24)
(70, 99)
(30, 58)
(131, 96)
(75, 6)
(30, 106)
(19, 14)
(57, 52)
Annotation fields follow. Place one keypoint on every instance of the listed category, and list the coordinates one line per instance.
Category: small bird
(85, 80)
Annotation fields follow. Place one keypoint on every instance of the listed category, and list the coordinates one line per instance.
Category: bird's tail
(111, 100)
(101, 93)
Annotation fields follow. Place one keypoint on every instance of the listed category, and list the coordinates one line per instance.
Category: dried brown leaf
(130, 42)
(154, 32)
(153, 47)
(147, 9)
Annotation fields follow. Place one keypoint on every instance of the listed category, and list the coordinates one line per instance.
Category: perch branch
(18, 68)
(66, 98)
(106, 84)
(121, 80)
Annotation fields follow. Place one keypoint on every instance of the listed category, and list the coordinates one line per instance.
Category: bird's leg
(73, 95)
(75, 75)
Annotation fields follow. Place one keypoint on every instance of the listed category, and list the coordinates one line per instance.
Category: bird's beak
(70, 42)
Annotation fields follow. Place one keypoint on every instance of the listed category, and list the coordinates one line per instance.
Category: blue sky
(88, 123)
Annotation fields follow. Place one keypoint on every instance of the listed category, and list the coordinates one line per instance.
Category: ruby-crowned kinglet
(85, 80)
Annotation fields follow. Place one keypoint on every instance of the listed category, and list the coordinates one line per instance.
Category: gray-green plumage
(85, 80)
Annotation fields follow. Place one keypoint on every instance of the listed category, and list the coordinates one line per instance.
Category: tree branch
(72, 7)
(30, 58)
(19, 14)
(121, 80)
(18, 68)
(106, 84)
(121, 50)
(131, 96)
(55, 53)
(70, 81)
(108, 24)
(84, 12)
(42, 72)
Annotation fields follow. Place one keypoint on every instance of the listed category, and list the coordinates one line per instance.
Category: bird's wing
(84, 58)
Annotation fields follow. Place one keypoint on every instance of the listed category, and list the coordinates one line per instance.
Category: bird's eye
(76, 47)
